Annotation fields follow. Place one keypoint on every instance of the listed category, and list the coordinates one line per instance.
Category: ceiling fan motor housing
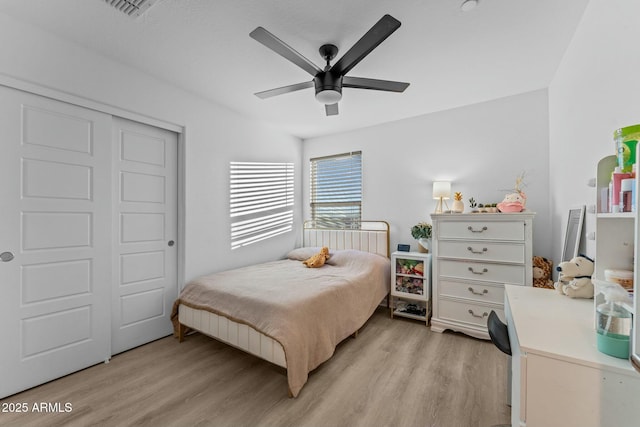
(328, 87)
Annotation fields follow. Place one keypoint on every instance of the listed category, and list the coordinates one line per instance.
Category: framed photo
(404, 248)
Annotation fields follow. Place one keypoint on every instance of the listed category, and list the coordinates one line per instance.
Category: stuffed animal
(542, 268)
(513, 202)
(318, 259)
(574, 278)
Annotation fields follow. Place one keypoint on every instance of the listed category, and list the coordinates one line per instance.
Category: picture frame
(403, 247)
(573, 232)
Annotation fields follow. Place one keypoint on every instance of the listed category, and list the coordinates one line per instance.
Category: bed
(286, 313)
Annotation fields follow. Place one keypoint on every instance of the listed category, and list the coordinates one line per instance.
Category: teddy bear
(542, 268)
(318, 259)
(574, 279)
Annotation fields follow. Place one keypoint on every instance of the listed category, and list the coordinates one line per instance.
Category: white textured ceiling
(451, 58)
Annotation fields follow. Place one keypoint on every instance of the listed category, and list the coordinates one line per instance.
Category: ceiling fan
(329, 81)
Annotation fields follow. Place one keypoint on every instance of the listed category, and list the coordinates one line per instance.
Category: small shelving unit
(411, 285)
(615, 232)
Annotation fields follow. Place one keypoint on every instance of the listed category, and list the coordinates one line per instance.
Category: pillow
(337, 257)
(300, 254)
(345, 256)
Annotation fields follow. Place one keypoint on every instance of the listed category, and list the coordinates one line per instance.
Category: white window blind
(336, 190)
(261, 201)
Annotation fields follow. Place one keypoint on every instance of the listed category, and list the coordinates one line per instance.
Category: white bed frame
(371, 236)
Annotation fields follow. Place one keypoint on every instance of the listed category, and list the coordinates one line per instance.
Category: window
(261, 201)
(336, 190)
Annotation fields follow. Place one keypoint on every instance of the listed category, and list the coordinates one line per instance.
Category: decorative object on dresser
(411, 285)
(473, 205)
(422, 233)
(442, 193)
(473, 257)
(516, 200)
(458, 204)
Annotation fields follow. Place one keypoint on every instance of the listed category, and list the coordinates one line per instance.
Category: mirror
(572, 233)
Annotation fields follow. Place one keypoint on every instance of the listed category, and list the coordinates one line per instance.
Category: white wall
(481, 148)
(595, 91)
(214, 135)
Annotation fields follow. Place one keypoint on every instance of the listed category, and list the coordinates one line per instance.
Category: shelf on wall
(606, 215)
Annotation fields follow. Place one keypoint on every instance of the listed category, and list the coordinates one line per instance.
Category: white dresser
(475, 255)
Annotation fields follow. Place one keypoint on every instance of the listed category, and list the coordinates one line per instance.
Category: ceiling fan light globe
(328, 96)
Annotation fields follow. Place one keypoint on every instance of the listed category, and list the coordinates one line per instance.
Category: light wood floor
(396, 373)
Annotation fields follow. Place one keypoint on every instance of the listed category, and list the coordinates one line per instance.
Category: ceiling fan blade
(376, 35)
(331, 109)
(283, 49)
(284, 89)
(374, 84)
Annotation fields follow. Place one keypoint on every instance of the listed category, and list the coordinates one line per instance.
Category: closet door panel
(146, 214)
(55, 205)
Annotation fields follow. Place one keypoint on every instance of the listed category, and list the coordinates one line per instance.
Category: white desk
(559, 378)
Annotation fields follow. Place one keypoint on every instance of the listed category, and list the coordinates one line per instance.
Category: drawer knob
(479, 316)
(470, 228)
(484, 270)
(473, 251)
(473, 291)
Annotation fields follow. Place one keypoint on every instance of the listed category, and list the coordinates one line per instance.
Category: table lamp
(441, 192)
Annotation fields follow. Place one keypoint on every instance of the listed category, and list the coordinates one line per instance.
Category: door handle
(171, 243)
(6, 256)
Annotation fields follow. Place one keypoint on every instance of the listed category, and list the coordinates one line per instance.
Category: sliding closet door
(55, 250)
(145, 247)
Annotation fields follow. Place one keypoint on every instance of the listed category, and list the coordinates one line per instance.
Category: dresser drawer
(469, 270)
(466, 312)
(482, 251)
(478, 230)
(484, 293)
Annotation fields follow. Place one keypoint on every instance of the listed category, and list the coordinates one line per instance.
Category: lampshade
(442, 189)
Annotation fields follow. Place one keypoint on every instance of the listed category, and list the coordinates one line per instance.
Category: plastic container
(614, 329)
(626, 192)
(616, 178)
(626, 140)
(622, 277)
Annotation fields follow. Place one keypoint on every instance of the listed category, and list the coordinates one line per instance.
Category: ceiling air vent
(133, 8)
